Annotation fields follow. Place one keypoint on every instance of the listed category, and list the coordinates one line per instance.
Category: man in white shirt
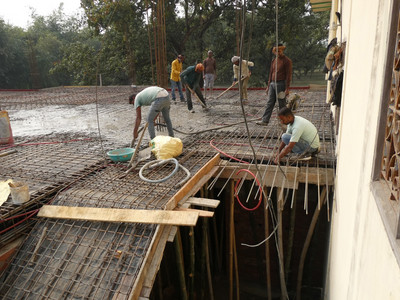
(301, 136)
(245, 75)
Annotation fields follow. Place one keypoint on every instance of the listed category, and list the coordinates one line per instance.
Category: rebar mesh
(95, 260)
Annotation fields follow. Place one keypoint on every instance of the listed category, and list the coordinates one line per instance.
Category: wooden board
(180, 218)
(195, 183)
(204, 202)
(202, 213)
(155, 264)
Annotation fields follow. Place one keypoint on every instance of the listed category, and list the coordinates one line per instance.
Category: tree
(14, 69)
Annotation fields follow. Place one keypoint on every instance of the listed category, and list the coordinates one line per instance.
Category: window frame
(389, 210)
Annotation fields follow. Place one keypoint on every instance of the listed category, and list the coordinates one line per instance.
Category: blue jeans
(159, 105)
(174, 85)
(300, 147)
(272, 92)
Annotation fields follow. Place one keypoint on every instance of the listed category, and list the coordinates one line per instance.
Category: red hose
(227, 155)
(259, 186)
(44, 143)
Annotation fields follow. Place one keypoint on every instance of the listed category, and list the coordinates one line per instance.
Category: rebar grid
(96, 260)
(91, 260)
(77, 259)
(64, 96)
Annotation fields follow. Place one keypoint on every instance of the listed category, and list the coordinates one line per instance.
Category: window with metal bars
(387, 162)
(391, 147)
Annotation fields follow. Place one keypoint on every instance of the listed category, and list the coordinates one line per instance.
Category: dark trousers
(197, 90)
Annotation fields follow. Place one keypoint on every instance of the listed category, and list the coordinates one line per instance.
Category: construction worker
(176, 69)
(210, 73)
(280, 75)
(191, 79)
(158, 100)
(301, 136)
(245, 75)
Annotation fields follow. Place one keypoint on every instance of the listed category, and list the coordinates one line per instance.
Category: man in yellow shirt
(176, 69)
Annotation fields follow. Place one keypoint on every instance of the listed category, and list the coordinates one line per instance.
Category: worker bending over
(158, 100)
(301, 136)
(191, 79)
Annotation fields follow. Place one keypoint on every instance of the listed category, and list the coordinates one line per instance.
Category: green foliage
(14, 70)
(113, 39)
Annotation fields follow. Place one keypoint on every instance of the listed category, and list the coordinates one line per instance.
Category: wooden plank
(137, 287)
(155, 264)
(172, 233)
(202, 213)
(195, 183)
(180, 218)
(205, 202)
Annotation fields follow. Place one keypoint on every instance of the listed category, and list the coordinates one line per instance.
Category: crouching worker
(158, 100)
(301, 137)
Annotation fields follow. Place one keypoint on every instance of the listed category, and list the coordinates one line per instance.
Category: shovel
(197, 97)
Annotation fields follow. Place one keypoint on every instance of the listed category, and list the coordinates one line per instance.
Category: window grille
(391, 151)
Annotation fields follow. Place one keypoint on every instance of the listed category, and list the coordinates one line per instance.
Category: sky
(17, 12)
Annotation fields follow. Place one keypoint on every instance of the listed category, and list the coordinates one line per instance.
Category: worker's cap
(132, 98)
(199, 68)
(280, 47)
(235, 59)
(209, 51)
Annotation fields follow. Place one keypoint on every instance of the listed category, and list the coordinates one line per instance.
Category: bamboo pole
(284, 294)
(203, 253)
(236, 265)
(192, 263)
(209, 276)
(267, 254)
(307, 244)
(180, 264)
(231, 216)
(290, 239)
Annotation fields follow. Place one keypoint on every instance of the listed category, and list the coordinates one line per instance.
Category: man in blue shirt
(158, 100)
(301, 136)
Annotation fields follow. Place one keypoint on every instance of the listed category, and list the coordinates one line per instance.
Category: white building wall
(362, 264)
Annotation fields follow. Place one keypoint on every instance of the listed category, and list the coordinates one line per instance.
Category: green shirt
(191, 77)
(148, 95)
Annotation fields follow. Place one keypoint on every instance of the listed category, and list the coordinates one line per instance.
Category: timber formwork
(68, 259)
